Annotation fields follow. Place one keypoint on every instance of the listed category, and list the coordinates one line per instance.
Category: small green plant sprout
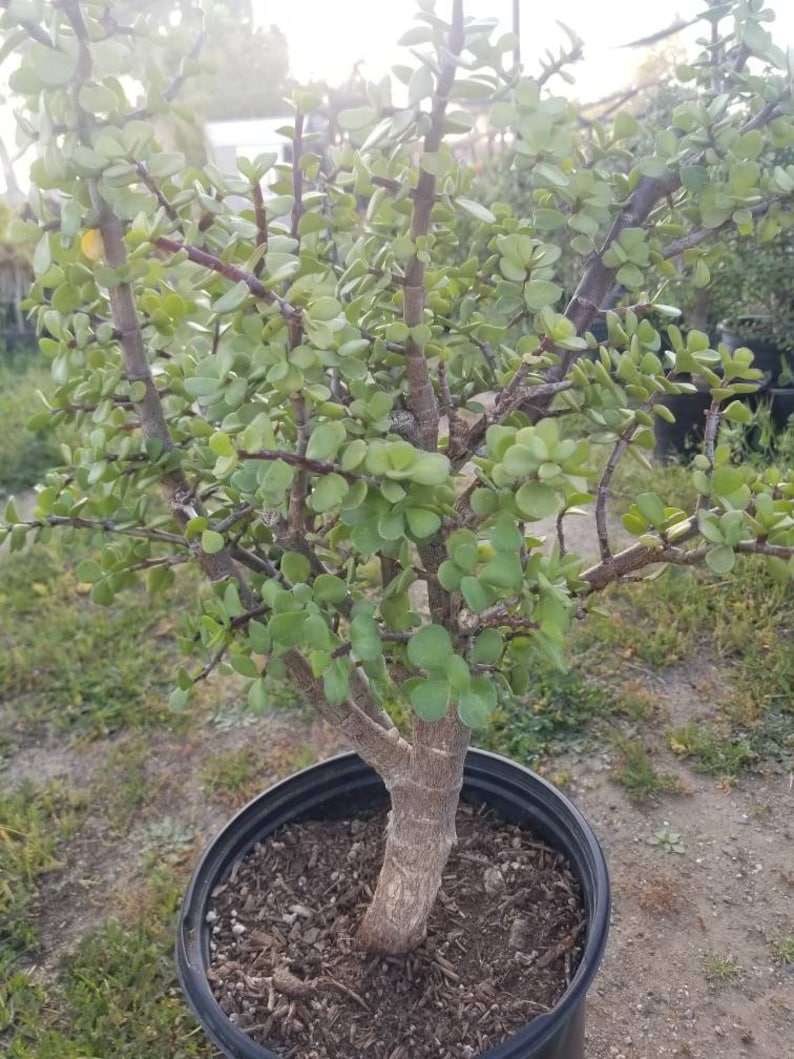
(721, 969)
(783, 948)
(669, 841)
(357, 389)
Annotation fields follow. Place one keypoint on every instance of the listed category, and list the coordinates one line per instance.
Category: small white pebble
(238, 929)
(211, 916)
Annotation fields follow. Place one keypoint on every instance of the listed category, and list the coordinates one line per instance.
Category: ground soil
(503, 944)
(729, 894)
(682, 921)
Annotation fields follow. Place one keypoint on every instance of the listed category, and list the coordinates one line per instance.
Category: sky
(327, 37)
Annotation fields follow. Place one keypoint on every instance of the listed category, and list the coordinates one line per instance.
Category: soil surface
(692, 966)
(503, 944)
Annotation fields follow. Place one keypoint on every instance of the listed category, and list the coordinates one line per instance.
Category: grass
(24, 455)
(70, 665)
(34, 823)
(235, 776)
(635, 772)
(557, 710)
(721, 969)
(124, 786)
(117, 995)
(783, 949)
(745, 625)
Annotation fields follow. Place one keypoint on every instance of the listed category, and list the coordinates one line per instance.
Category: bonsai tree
(298, 378)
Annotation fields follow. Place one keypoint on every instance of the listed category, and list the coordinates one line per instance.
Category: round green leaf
(536, 500)
(477, 595)
(430, 699)
(449, 575)
(421, 522)
(329, 491)
(286, 630)
(329, 589)
(651, 508)
(488, 647)
(476, 705)
(365, 638)
(295, 567)
(430, 647)
(257, 696)
(430, 468)
(336, 680)
(232, 299)
(211, 542)
(539, 293)
(503, 571)
(505, 535)
(721, 559)
(325, 440)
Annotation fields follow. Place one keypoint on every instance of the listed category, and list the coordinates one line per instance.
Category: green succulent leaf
(430, 699)
(430, 648)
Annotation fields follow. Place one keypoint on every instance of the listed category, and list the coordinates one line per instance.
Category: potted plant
(752, 297)
(354, 425)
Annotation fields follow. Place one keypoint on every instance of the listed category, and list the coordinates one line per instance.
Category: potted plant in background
(752, 294)
(356, 427)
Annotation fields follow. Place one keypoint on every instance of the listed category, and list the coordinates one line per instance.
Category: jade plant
(300, 378)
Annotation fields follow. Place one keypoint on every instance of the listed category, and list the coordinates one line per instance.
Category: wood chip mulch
(503, 943)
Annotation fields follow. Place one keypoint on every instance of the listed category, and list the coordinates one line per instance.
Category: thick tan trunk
(419, 837)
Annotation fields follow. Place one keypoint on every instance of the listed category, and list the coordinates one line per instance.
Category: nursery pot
(781, 403)
(345, 784)
(686, 433)
(767, 356)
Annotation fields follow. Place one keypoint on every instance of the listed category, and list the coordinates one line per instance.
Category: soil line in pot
(503, 943)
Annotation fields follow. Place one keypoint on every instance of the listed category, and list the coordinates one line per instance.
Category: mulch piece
(503, 943)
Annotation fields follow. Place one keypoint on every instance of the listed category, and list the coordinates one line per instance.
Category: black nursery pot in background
(781, 405)
(755, 333)
(341, 787)
(685, 435)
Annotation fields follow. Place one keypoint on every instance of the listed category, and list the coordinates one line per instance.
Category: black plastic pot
(346, 784)
(781, 406)
(767, 356)
(686, 434)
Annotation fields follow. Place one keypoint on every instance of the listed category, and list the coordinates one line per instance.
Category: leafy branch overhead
(358, 386)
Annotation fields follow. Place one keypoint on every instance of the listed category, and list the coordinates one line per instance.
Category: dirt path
(691, 967)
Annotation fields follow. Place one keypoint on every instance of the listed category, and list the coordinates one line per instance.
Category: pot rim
(486, 773)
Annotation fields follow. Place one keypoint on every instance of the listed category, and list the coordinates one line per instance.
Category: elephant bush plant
(301, 378)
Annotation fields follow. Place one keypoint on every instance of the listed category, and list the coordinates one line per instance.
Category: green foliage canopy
(357, 418)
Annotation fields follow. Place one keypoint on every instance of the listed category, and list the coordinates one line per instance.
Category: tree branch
(421, 395)
(231, 272)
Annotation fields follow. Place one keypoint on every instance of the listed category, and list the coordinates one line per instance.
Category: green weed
(229, 772)
(117, 996)
(721, 969)
(745, 624)
(24, 455)
(634, 770)
(558, 709)
(783, 948)
(123, 785)
(34, 821)
(67, 663)
(712, 749)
